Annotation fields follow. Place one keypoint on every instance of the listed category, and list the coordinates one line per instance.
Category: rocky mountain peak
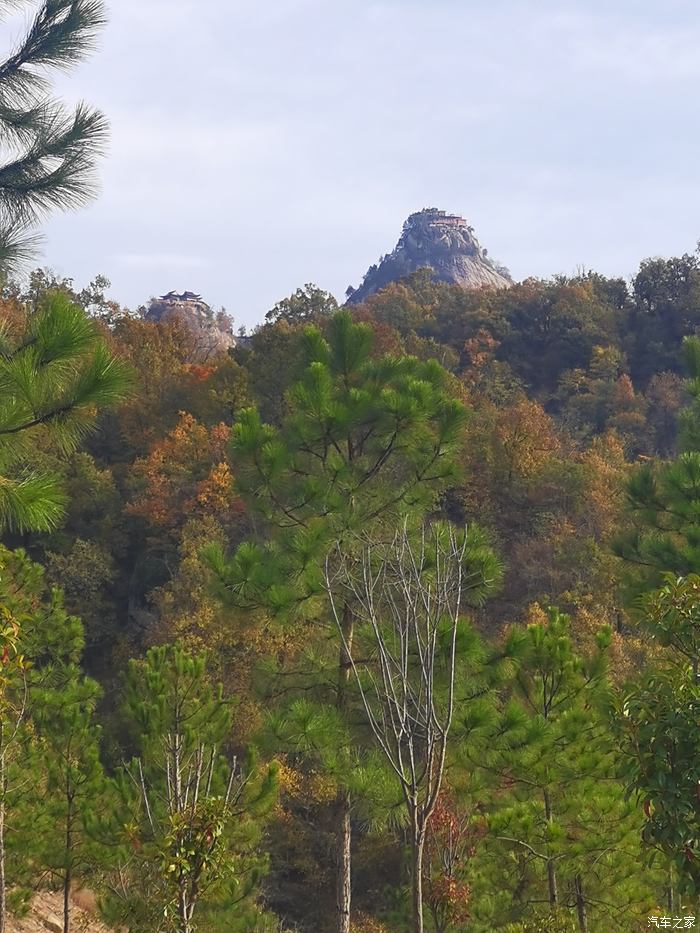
(442, 242)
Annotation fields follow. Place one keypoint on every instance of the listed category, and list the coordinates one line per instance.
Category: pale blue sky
(256, 147)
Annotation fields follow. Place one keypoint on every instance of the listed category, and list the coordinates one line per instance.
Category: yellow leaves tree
(524, 442)
(185, 474)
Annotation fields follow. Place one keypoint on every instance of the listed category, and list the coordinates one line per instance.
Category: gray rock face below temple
(213, 332)
(441, 242)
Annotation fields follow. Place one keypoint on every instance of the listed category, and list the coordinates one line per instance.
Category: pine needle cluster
(49, 151)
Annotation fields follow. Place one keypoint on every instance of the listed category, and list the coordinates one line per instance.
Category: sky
(257, 146)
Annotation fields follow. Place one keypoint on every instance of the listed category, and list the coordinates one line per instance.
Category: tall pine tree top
(366, 442)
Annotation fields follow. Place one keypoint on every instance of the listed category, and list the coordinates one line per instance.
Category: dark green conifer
(73, 787)
(657, 722)
(40, 646)
(563, 836)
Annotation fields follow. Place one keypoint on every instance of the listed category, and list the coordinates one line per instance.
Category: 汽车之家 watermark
(672, 923)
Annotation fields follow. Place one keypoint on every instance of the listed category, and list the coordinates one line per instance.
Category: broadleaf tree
(188, 812)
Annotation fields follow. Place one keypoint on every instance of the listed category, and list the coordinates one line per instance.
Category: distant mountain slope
(439, 241)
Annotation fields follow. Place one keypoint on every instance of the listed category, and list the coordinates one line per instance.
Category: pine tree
(40, 641)
(366, 442)
(189, 814)
(53, 378)
(73, 788)
(657, 723)
(50, 152)
(562, 833)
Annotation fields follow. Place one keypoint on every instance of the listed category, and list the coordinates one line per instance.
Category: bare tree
(407, 598)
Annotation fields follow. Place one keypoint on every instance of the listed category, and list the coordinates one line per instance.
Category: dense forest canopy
(381, 618)
(230, 571)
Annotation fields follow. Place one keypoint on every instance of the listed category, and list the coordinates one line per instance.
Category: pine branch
(34, 502)
(50, 152)
(62, 33)
(17, 244)
(57, 172)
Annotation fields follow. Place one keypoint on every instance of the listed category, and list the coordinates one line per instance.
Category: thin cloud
(160, 260)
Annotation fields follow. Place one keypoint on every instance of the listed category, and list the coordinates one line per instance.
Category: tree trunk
(417, 845)
(580, 905)
(66, 900)
(343, 862)
(551, 872)
(68, 876)
(343, 831)
(182, 908)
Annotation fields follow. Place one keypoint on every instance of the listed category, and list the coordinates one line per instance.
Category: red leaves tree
(453, 834)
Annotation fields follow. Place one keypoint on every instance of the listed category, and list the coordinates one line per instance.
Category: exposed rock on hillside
(46, 914)
(214, 332)
(444, 243)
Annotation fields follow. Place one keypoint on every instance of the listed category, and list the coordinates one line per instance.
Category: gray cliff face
(213, 332)
(444, 243)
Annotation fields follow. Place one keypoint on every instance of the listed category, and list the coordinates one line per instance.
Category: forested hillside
(385, 619)
(379, 619)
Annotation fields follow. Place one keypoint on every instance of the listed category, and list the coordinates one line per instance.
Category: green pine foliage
(39, 685)
(50, 151)
(366, 441)
(563, 835)
(657, 722)
(53, 378)
(66, 751)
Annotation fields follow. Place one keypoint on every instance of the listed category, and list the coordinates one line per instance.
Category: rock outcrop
(213, 332)
(441, 242)
(45, 915)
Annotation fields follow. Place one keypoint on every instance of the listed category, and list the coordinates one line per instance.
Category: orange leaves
(604, 472)
(186, 472)
(199, 372)
(363, 923)
(453, 834)
(214, 492)
(449, 898)
(312, 788)
(481, 348)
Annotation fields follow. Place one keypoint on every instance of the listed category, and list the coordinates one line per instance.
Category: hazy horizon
(254, 150)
